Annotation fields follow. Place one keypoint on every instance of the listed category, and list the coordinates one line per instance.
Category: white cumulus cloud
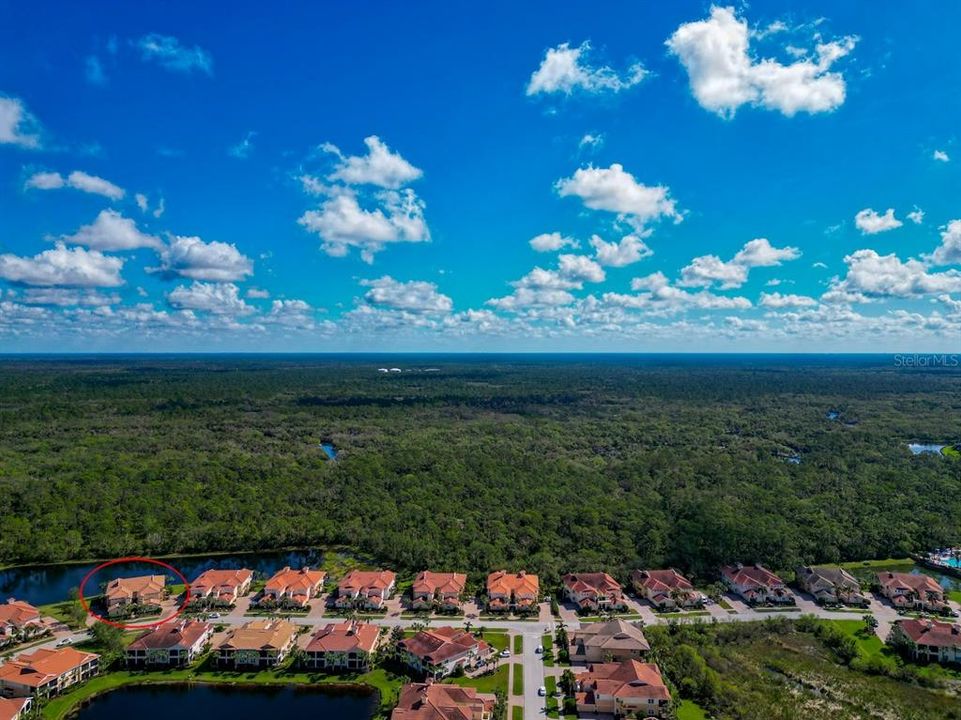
(216, 298)
(112, 231)
(191, 257)
(551, 242)
(78, 180)
(706, 270)
(565, 69)
(615, 190)
(416, 296)
(627, 251)
(379, 166)
(870, 222)
(17, 125)
(725, 74)
(63, 266)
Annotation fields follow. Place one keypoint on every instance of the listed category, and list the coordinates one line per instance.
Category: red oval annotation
(133, 626)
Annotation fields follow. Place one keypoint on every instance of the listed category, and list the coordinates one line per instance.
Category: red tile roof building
(342, 646)
(909, 590)
(171, 644)
(15, 708)
(613, 640)
(142, 590)
(47, 672)
(593, 592)
(438, 651)
(294, 587)
(930, 640)
(756, 584)
(16, 616)
(623, 688)
(666, 589)
(440, 590)
(512, 591)
(368, 589)
(221, 587)
(430, 701)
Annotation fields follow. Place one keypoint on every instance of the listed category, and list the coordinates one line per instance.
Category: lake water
(163, 702)
(925, 448)
(43, 584)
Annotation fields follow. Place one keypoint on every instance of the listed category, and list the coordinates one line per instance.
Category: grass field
(517, 684)
(485, 683)
(518, 644)
(517, 713)
(688, 710)
(497, 640)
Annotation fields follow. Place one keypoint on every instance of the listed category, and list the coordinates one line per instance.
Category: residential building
(831, 586)
(171, 644)
(432, 701)
(221, 588)
(365, 589)
(342, 646)
(666, 589)
(144, 590)
(594, 592)
(259, 643)
(438, 651)
(611, 641)
(293, 587)
(929, 640)
(622, 689)
(15, 708)
(47, 672)
(512, 591)
(914, 591)
(756, 584)
(18, 617)
(442, 591)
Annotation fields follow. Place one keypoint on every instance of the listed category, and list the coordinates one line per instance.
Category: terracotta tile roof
(17, 612)
(591, 582)
(261, 634)
(439, 644)
(171, 635)
(221, 583)
(295, 582)
(347, 636)
(10, 708)
(502, 582)
(428, 583)
(125, 588)
(919, 583)
(42, 666)
(751, 575)
(366, 580)
(662, 580)
(431, 701)
(626, 679)
(932, 632)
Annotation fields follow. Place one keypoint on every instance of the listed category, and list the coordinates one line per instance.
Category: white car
(542, 691)
(505, 653)
(538, 650)
(214, 616)
(64, 641)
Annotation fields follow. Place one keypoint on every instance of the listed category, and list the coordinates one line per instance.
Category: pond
(925, 448)
(329, 450)
(162, 702)
(44, 584)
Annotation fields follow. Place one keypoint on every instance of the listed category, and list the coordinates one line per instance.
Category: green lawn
(950, 451)
(858, 564)
(517, 713)
(517, 687)
(868, 644)
(496, 639)
(60, 707)
(485, 683)
(547, 641)
(954, 595)
(688, 710)
(60, 611)
(518, 644)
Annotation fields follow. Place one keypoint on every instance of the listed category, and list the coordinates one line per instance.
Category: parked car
(538, 650)
(62, 642)
(505, 653)
(542, 691)
(214, 615)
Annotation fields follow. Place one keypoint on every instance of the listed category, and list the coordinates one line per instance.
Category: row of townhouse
(45, 672)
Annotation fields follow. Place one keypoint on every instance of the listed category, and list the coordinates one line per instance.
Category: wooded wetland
(548, 463)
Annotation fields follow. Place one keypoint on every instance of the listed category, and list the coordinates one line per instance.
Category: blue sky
(536, 176)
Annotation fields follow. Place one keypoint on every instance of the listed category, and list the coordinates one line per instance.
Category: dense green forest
(547, 463)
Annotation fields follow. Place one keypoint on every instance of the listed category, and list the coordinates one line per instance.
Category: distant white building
(383, 370)
(395, 370)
